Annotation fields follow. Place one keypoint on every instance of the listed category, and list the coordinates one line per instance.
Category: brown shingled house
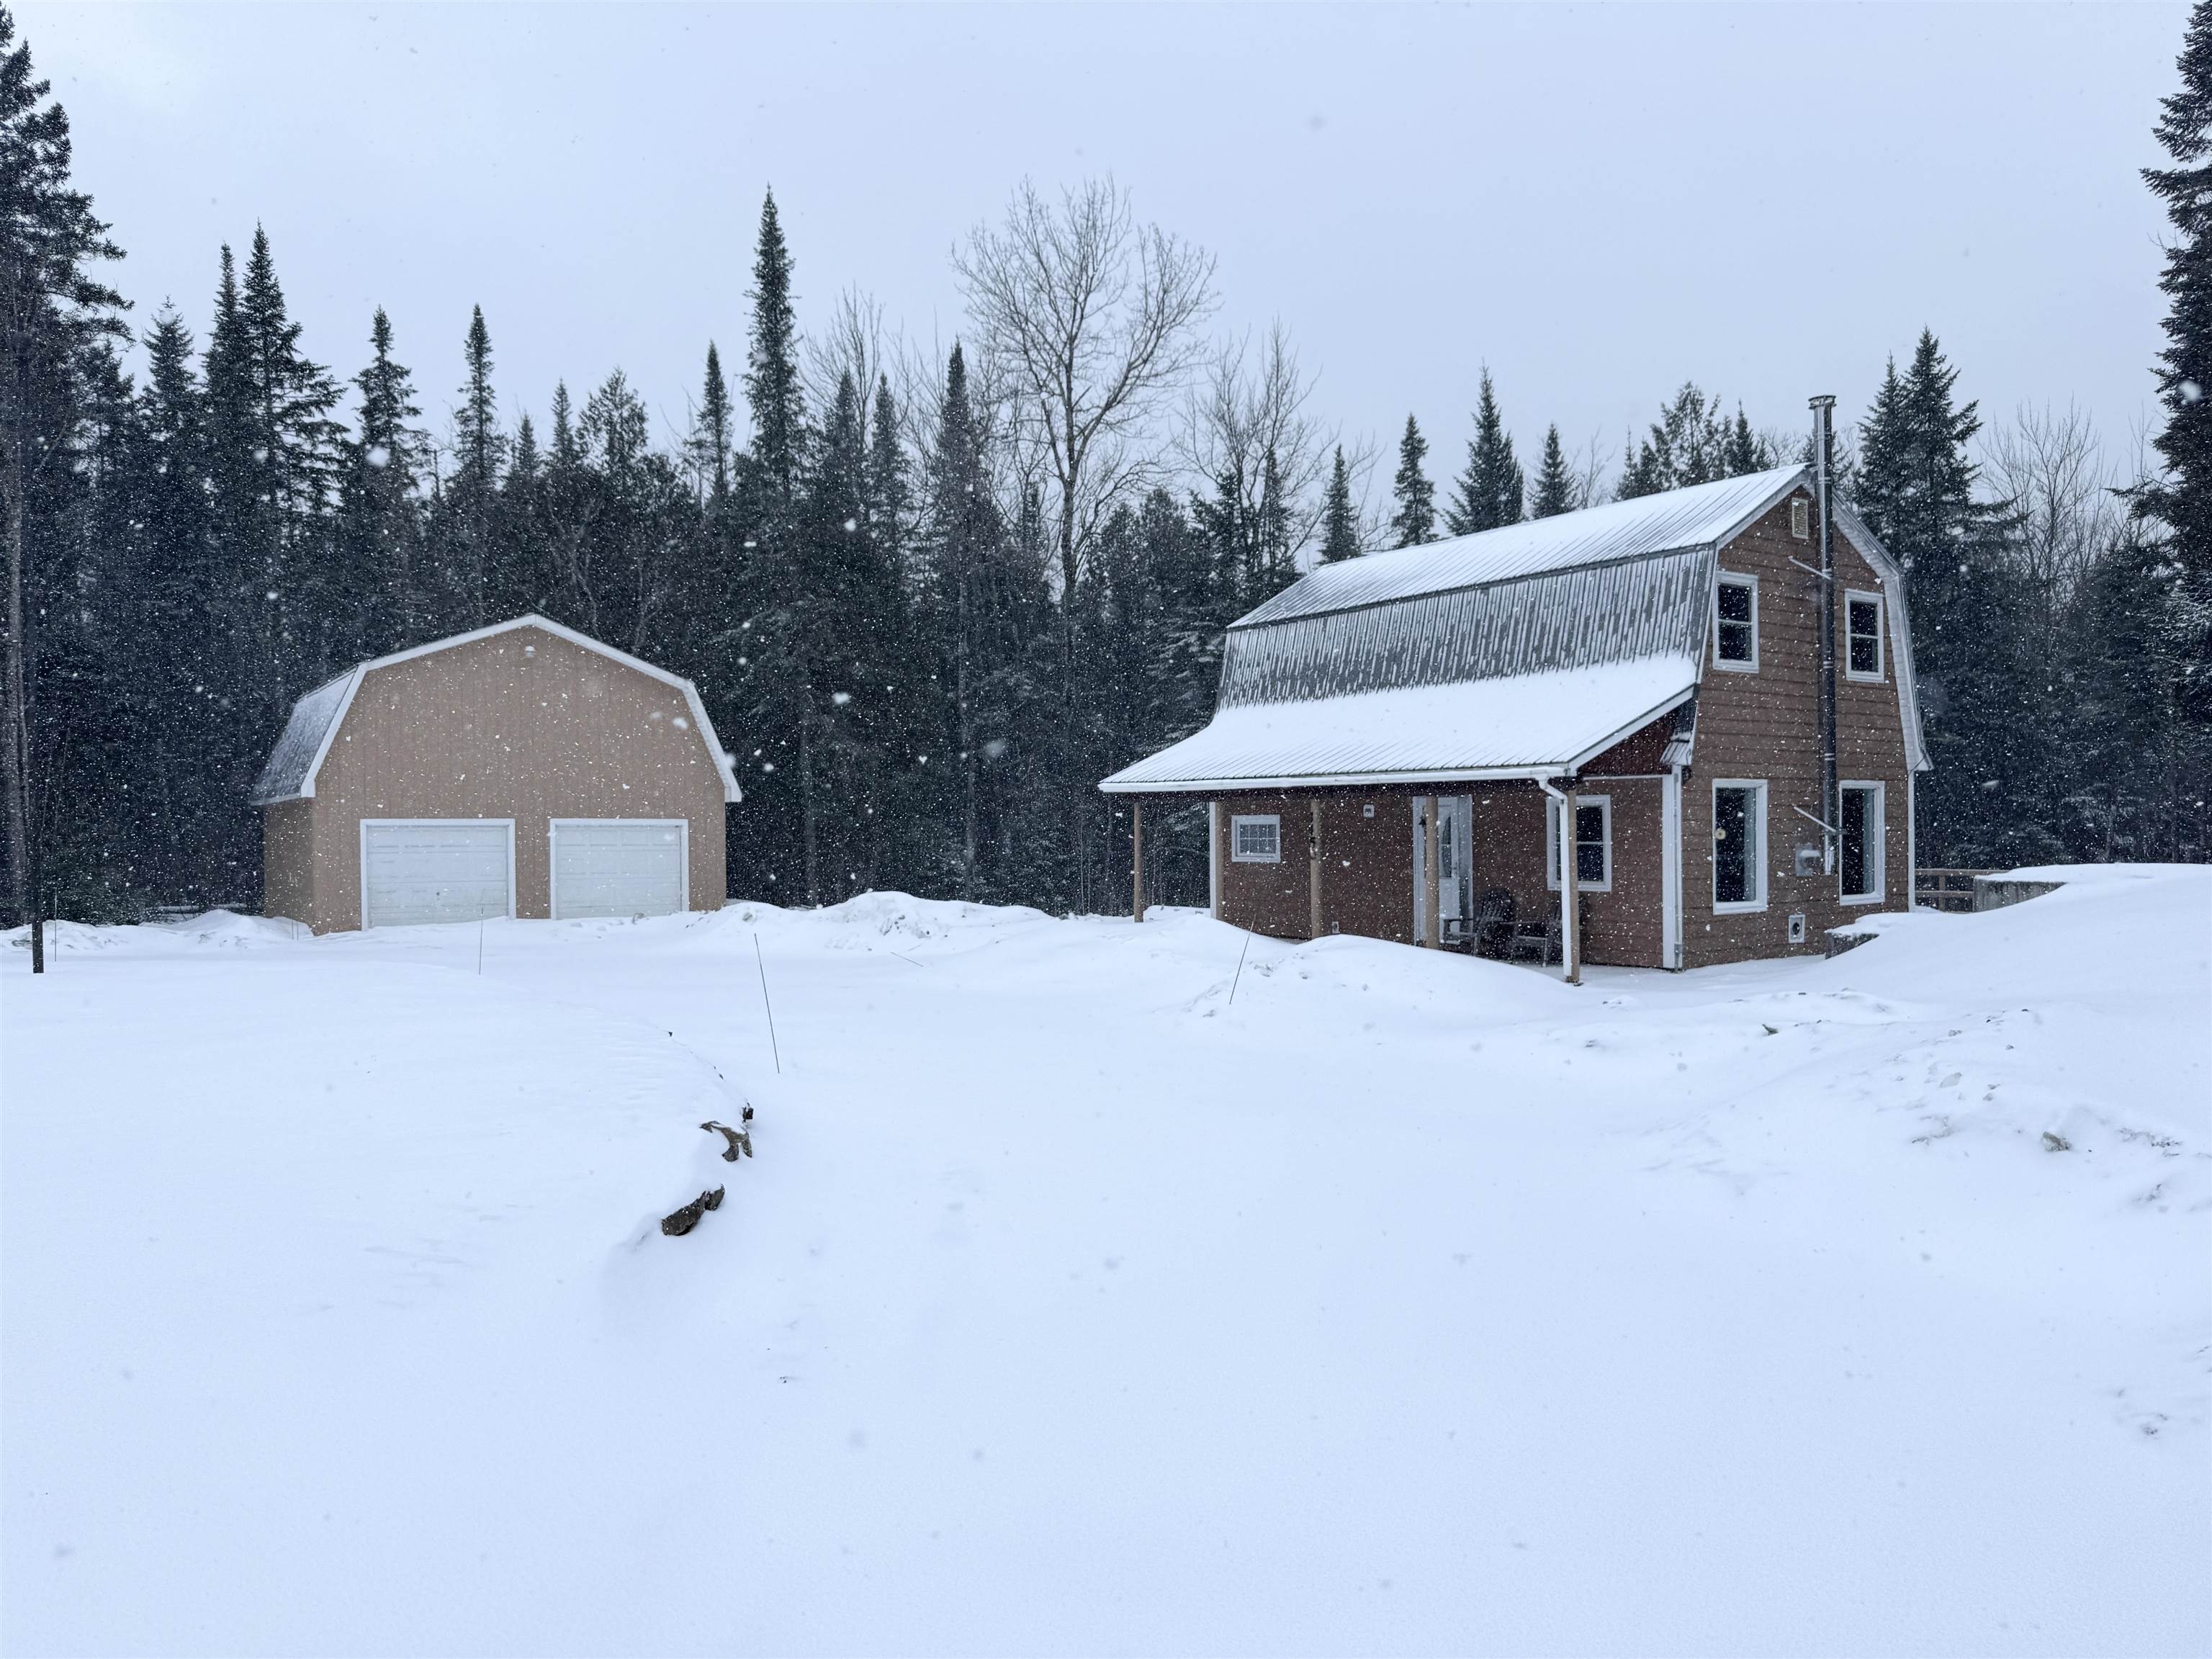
(1652, 672)
(522, 769)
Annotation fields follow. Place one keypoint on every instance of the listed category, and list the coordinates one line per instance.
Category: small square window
(1801, 519)
(1735, 622)
(1255, 839)
(1863, 632)
(1593, 844)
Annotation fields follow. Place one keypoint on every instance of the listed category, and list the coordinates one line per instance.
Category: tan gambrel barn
(522, 769)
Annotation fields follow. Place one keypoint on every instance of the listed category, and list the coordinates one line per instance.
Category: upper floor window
(1255, 839)
(1735, 622)
(1801, 519)
(1863, 629)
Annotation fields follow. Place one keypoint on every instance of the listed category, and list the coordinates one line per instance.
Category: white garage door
(618, 866)
(438, 870)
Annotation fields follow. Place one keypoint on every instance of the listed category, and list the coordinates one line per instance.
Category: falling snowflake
(841, 698)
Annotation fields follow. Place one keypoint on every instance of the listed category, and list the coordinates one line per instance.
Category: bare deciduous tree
(1243, 412)
(1088, 321)
(2051, 464)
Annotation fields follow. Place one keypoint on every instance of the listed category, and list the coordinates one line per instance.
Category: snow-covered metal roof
(1702, 515)
(1530, 624)
(1525, 725)
(1519, 652)
(314, 726)
(290, 771)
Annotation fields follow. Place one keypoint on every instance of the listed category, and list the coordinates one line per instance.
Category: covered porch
(1301, 863)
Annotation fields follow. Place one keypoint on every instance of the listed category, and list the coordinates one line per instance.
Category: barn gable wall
(524, 725)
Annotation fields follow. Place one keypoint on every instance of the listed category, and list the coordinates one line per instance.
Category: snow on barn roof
(1521, 652)
(1519, 727)
(1700, 516)
(291, 772)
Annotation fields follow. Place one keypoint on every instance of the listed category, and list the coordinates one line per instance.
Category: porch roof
(1539, 724)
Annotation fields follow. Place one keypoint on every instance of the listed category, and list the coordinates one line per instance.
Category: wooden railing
(1945, 889)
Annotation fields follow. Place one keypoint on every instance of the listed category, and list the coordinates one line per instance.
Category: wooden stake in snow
(1239, 978)
(763, 965)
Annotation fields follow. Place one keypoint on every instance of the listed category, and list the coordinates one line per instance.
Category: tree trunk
(16, 754)
(808, 838)
(967, 747)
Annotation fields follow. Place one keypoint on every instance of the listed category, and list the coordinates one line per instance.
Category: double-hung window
(1735, 622)
(1255, 838)
(1593, 844)
(1859, 845)
(1739, 844)
(1862, 636)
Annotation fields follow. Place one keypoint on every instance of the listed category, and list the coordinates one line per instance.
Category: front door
(1454, 877)
(1454, 885)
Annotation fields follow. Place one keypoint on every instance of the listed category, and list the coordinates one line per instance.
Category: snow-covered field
(1407, 1303)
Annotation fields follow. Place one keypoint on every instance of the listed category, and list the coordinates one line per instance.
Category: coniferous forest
(930, 602)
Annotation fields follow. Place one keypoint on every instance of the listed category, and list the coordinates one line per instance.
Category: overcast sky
(1598, 202)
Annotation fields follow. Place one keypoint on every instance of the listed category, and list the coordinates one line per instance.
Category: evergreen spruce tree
(713, 433)
(1743, 451)
(888, 505)
(1415, 521)
(1339, 533)
(379, 515)
(1492, 489)
(471, 495)
(780, 696)
(1557, 491)
(2182, 499)
(1981, 701)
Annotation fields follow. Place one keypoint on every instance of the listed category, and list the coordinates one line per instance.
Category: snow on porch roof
(1527, 725)
(315, 718)
(1699, 516)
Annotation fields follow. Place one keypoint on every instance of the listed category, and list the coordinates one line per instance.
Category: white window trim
(1751, 582)
(553, 828)
(1756, 863)
(1237, 820)
(1877, 850)
(1851, 595)
(1604, 804)
(361, 835)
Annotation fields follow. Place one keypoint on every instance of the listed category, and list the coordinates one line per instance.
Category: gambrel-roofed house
(1653, 667)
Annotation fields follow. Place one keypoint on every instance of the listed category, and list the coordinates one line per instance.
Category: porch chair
(1540, 940)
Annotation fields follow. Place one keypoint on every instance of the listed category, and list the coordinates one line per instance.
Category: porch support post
(1137, 855)
(1431, 875)
(1571, 956)
(1313, 874)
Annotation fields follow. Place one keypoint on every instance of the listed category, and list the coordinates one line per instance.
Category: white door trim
(365, 824)
(683, 827)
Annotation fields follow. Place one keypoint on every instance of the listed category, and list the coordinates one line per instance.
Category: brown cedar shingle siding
(485, 730)
(1767, 726)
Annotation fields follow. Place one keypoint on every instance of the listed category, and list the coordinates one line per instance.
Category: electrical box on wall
(1808, 857)
(1797, 928)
